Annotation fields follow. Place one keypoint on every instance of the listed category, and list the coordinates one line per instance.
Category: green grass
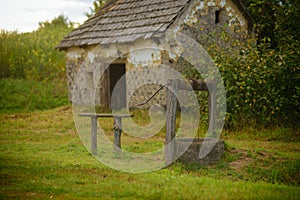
(18, 95)
(42, 157)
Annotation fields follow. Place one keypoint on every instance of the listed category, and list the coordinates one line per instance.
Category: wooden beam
(117, 128)
(198, 85)
(105, 115)
(212, 107)
(94, 134)
(105, 91)
(171, 121)
(117, 134)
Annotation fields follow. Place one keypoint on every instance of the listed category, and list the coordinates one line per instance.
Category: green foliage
(97, 5)
(21, 95)
(261, 74)
(33, 55)
(261, 83)
(276, 21)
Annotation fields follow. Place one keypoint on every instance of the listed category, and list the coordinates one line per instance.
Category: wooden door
(117, 75)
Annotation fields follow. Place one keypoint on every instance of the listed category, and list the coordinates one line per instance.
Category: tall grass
(33, 56)
(32, 71)
(19, 95)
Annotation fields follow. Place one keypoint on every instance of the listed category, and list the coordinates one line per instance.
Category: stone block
(191, 155)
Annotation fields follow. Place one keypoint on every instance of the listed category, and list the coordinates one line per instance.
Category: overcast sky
(24, 15)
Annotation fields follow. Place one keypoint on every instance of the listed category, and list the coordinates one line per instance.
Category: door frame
(106, 84)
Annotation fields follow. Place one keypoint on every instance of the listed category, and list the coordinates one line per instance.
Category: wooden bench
(117, 128)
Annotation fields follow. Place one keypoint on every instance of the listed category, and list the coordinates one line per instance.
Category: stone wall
(72, 66)
(191, 155)
(206, 21)
(87, 67)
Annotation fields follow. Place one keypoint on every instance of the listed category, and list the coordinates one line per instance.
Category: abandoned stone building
(122, 32)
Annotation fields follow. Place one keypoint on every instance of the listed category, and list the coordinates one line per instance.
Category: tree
(276, 21)
(97, 5)
(60, 21)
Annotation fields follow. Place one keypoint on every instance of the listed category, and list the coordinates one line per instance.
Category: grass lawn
(42, 157)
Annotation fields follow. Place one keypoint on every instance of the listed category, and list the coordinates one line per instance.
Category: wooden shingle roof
(125, 21)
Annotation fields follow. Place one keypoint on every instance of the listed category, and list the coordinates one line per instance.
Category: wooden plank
(117, 134)
(105, 99)
(117, 128)
(94, 134)
(212, 108)
(171, 121)
(198, 85)
(105, 115)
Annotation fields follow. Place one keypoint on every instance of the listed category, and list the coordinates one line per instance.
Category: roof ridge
(150, 4)
(124, 21)
(105, 8)
(138, 13)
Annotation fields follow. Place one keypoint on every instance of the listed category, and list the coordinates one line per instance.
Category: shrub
(262, 83)
(32, 55)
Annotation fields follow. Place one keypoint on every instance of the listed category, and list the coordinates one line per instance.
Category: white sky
(24, 15)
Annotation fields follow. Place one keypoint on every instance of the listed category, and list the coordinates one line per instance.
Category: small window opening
(217, 16)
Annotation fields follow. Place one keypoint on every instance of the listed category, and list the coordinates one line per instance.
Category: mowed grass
(42, 157)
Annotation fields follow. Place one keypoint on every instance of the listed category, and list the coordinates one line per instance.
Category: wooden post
(94, 134)
(171, 120)
(212, 107)
(105, 91)
(117, 133)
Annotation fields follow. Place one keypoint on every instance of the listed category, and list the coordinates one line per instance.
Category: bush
(262, 83)
(32, 55)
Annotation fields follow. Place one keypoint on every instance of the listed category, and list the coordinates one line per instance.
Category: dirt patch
(17, 116)
(242, 161)
(240, 164)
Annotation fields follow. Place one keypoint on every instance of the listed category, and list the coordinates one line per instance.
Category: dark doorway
(217, 16)
(117, 74)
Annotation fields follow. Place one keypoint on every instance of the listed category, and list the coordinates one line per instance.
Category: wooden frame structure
(117, 128)
(170, 143)
(174, 87)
